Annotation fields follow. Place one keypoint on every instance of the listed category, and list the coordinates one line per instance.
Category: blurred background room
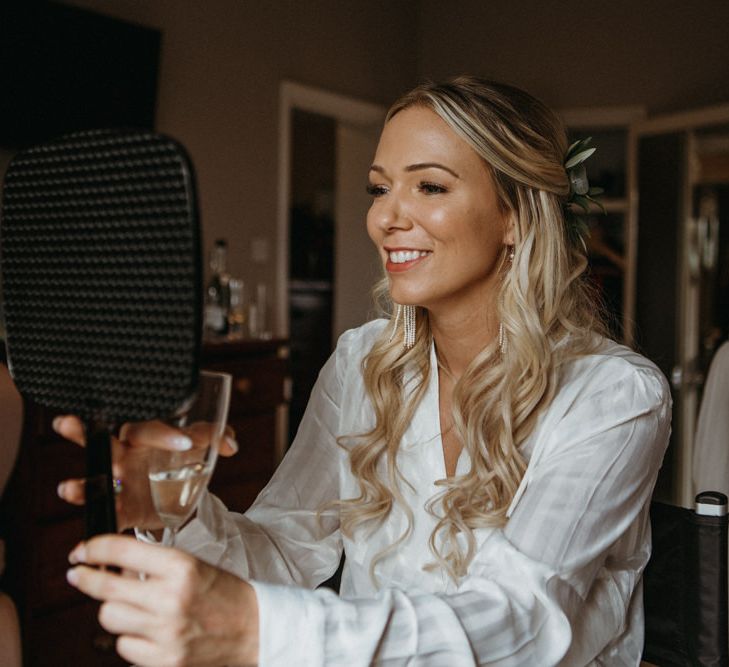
(279, 104)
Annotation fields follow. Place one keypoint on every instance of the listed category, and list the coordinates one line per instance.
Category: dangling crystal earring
(512, 252)
(502, 339)
(408, 327)
(408, 315)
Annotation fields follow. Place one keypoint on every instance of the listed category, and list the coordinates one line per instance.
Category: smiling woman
(485, 461)
(436, 217)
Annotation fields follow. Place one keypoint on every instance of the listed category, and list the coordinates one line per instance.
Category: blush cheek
(442, 221)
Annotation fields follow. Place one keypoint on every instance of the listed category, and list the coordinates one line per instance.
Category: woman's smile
(403, 259)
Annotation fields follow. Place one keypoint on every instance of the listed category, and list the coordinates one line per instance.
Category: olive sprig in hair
(581, 195)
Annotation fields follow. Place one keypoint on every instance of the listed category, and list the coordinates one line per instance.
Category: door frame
(342, 108)
(687, 404)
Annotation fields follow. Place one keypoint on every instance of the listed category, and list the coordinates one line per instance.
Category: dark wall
(666, 55)
(65, 69)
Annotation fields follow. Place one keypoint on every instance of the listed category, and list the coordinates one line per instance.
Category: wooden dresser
(58, 624)
(258, 413)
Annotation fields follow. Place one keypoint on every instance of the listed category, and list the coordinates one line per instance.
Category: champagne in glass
(175, 492)
(178, 479)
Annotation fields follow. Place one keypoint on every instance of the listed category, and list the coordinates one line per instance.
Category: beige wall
(661, 54)
(223, 60)
(221, 65)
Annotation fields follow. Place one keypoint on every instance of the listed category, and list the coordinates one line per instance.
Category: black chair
(685, 585)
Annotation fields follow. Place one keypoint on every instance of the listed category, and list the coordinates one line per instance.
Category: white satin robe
(560, 584)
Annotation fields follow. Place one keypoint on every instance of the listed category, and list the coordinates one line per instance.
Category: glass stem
(168, 537)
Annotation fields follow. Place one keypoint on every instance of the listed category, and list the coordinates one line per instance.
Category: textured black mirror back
(101, 275)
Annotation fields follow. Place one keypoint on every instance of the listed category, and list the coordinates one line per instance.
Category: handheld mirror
(101, 278)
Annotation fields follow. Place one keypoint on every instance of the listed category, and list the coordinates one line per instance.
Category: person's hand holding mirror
(145, 446)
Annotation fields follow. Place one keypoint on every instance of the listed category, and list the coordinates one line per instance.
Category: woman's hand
(183, 612)
(129, 464)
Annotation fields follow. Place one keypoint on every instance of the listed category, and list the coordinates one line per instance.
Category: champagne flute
(177, 479)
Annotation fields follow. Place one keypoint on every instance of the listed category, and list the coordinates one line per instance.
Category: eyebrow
(418, 167)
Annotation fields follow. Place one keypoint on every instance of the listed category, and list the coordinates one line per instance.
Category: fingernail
(78, 555)
(72, 576)
(56, 423)
(181, 442)
(232, 444)
(60, 489)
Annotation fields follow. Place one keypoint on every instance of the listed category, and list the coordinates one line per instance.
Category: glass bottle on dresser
(217, 293)
(237, 311)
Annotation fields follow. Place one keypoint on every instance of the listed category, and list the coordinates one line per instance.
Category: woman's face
(435, 217)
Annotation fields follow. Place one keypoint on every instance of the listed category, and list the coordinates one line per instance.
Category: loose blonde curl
(547, 309)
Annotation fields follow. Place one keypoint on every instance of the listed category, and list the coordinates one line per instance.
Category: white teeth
(401, 256)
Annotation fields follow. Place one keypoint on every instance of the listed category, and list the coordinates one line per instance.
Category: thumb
(155, 434)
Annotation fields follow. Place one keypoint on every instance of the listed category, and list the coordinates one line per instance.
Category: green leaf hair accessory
(581, 194)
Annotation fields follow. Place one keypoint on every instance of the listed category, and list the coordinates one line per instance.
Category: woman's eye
(376, 190)
(432, 188)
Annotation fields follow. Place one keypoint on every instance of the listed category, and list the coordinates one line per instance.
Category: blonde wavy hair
(545, 305)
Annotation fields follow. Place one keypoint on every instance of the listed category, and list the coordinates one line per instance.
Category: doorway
(326, 264)
(683, 222)
(312, 257)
